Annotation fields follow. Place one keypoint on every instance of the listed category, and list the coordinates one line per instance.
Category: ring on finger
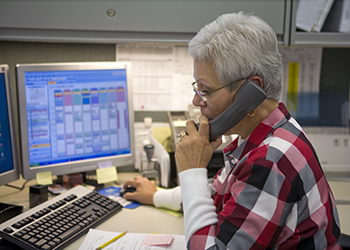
(182, 134)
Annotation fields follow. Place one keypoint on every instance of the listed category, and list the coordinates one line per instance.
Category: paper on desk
(96, 238)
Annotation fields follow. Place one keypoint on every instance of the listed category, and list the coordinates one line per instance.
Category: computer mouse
(128, 189)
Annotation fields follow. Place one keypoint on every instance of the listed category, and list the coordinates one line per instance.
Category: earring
(251, 114)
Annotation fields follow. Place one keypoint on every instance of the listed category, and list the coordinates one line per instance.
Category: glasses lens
(195, 89)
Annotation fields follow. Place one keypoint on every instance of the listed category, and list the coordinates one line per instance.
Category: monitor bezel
(13, 174)
(81, 165)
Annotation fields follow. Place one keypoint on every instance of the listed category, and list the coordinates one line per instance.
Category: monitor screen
(74, 116)
(9, 170)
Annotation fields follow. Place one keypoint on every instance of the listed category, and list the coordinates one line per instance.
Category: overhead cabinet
(128, 21)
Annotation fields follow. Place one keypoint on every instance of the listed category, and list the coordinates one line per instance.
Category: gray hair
(239, 46)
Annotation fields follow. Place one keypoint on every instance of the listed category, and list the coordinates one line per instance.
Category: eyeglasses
(207, 93)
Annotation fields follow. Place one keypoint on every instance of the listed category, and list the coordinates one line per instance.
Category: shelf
(321, 39)
(324, 39)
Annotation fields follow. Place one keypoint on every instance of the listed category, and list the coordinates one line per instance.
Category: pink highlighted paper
(158, 240)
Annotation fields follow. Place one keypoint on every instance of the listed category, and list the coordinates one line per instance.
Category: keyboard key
(17, 225)
(46, 247)
(8, 230)
(26, 237)
(39, 243)
(18, 235)
(69, 232)
(32, 240)
(56, 240)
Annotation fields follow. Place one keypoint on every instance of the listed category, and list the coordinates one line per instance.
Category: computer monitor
(75, 117)
(9, 169)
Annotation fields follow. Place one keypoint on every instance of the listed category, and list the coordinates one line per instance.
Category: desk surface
(147, 219)
(143, 219)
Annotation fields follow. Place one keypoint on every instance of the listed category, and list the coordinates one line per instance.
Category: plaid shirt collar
(274, 120)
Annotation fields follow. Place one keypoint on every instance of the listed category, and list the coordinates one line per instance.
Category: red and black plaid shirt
(272, 193)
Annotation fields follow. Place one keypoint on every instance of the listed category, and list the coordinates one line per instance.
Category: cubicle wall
(77, 30)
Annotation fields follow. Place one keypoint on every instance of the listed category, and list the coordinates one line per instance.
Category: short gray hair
(240, 45)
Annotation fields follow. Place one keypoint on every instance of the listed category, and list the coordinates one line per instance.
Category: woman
(271, 193)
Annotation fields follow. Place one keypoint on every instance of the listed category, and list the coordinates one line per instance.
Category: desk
(147, 219)
(144, 219)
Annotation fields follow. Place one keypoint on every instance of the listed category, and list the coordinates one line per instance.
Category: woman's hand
(194, 149)
(145, 190)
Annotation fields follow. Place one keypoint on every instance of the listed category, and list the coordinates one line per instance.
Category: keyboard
(57, 222)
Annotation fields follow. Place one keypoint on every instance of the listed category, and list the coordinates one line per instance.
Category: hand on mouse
(145, 189)
(128, 189)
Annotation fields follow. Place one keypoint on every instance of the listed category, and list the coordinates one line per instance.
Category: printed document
(132, 241)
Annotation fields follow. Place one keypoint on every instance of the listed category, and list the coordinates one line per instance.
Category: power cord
(19, 188)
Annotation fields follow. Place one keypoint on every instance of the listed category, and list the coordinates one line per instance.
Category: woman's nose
(197, 100)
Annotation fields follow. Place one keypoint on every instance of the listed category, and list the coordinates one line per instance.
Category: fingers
(182, 134)
(128, 183)
(145, 190)
(215, 144)
(134, 183)
(203, 126)
(203, 129)
(129, 196)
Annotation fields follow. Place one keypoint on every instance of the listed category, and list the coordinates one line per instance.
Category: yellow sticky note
(44, 178)
(105, 175)
(180, 123)
(171, 212)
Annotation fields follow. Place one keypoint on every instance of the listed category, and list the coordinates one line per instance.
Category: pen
(110, 241)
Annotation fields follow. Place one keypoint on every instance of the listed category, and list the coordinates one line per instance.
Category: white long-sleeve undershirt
(198, 206)
(195, 195)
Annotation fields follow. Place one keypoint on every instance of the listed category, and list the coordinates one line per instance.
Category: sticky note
(180, 123)
(158, 240)
(44, 178)
(105, 175)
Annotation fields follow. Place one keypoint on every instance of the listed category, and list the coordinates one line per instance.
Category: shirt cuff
(168, 198)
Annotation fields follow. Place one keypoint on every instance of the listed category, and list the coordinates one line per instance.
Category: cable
(19, 188)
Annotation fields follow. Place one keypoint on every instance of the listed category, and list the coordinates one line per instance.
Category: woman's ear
(257, 80)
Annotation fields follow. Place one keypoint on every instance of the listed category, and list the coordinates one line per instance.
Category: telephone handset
(247, 98)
